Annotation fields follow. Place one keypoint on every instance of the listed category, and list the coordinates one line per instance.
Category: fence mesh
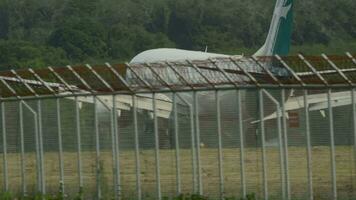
(282, 128)
(268, 168)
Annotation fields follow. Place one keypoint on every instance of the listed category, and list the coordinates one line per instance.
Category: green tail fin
(279, 35)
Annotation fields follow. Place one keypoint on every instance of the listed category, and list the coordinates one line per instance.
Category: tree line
(39, 33)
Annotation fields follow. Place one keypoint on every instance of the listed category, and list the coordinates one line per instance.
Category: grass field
(321, 169)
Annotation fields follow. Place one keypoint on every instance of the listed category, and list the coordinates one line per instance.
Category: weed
(60, 195)
(80, 194)
(251, 196)
(6, 196)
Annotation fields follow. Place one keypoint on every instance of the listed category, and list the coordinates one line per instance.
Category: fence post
(353, 101)
(38, 159)
(242, 144)
(79, 143)
(115, 149)
(285, 141)
(97, 147)
(157, 155)
(176, 136)
(332, 145)
(309, 148)
(193, 148)
(40, 139)
(23, 175)
(60, 145)
(263, 146)
(4, 147)
(137, 149)
(220, 145)
(197, 141)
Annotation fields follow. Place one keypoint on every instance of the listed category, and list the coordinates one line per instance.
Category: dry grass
(321, 170)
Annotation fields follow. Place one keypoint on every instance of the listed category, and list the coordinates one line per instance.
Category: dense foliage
(56, 32)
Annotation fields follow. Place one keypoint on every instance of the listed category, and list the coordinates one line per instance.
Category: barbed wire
(214, 73)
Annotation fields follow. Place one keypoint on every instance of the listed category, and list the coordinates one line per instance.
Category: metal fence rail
(273, 127)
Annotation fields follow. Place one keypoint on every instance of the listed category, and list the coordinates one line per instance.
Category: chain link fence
(70, 145)
(293, 139)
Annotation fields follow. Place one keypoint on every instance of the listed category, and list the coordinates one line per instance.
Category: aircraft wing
(320, 101)
(316, 102)
(124, 102)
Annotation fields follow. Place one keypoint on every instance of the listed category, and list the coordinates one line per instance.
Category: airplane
(277, 42)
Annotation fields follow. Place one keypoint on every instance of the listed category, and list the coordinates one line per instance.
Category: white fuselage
(172, 55)
(206, 99)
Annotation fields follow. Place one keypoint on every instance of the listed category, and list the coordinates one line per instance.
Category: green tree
(110, 30)
(22, 54)
(81, 40)
(126, 42)
(4, 19)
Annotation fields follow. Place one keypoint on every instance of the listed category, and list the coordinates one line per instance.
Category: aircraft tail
(279, 35)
